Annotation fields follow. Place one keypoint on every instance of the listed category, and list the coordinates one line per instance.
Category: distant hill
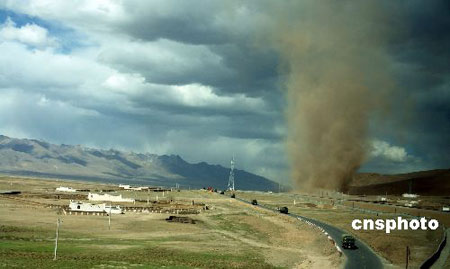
(38, 158)
(432, 182)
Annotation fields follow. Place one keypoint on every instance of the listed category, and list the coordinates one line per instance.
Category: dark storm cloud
(191, 22)
(240, 67)
(424, 47)
(423, 104)
(212, 22)
(420, 110)
(256, 68)
(231, 68)
(223, 36)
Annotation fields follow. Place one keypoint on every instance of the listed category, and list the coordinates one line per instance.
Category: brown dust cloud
(337, 75)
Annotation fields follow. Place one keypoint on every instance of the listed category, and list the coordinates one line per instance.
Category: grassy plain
(230, 234)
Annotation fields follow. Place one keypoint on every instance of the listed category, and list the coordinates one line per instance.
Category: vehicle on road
(254, 202)
(348, 241)
(283, 210)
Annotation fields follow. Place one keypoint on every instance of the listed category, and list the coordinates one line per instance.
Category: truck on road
(283, 210)
(348, 241)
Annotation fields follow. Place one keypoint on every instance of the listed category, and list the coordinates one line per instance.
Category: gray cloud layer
(196, 78)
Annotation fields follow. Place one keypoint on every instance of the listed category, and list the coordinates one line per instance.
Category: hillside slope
(432, 182)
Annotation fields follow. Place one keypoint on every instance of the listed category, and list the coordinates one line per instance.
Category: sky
(198, 79)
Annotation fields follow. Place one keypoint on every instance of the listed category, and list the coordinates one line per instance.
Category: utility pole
(58, 222)
(408, 254)
(109, 217)
(231, 177)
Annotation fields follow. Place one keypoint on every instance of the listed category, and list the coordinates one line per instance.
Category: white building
(128, 187)
(65, 189)
(410, 195)
(99, 208)
(109, 197)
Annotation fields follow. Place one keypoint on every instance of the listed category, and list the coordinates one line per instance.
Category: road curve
(360, 258)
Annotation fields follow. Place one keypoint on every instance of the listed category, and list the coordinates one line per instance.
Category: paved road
(359, 258)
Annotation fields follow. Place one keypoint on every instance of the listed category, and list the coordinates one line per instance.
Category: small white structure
(383, 199)
(109, 197)
(113, 209)
(92, 208)
(412, 204)
(410, 195)
(65, 189)
(128, 187)
(446, 209)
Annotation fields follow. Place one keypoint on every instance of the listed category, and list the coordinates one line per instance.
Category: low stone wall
(68, 212)
(160, 210)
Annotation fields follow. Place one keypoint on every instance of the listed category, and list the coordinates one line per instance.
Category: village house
(109, 197)
(65, 189)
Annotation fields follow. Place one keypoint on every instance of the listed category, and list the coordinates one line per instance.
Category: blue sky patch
(68, 38)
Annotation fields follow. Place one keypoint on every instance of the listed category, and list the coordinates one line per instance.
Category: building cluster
(80, 206)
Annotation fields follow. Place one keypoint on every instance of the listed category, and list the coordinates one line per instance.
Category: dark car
(348, 241)
(233, 196)
(254, 202)
(222, 192)
(283, 210)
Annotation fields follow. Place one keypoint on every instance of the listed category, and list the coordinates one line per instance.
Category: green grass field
(34, 248)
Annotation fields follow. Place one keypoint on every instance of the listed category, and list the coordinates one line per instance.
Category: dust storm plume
(337, 76)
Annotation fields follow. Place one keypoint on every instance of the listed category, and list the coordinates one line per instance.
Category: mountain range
(30, 157)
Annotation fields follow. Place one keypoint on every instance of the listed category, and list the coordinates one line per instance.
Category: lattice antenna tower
(231, 177)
